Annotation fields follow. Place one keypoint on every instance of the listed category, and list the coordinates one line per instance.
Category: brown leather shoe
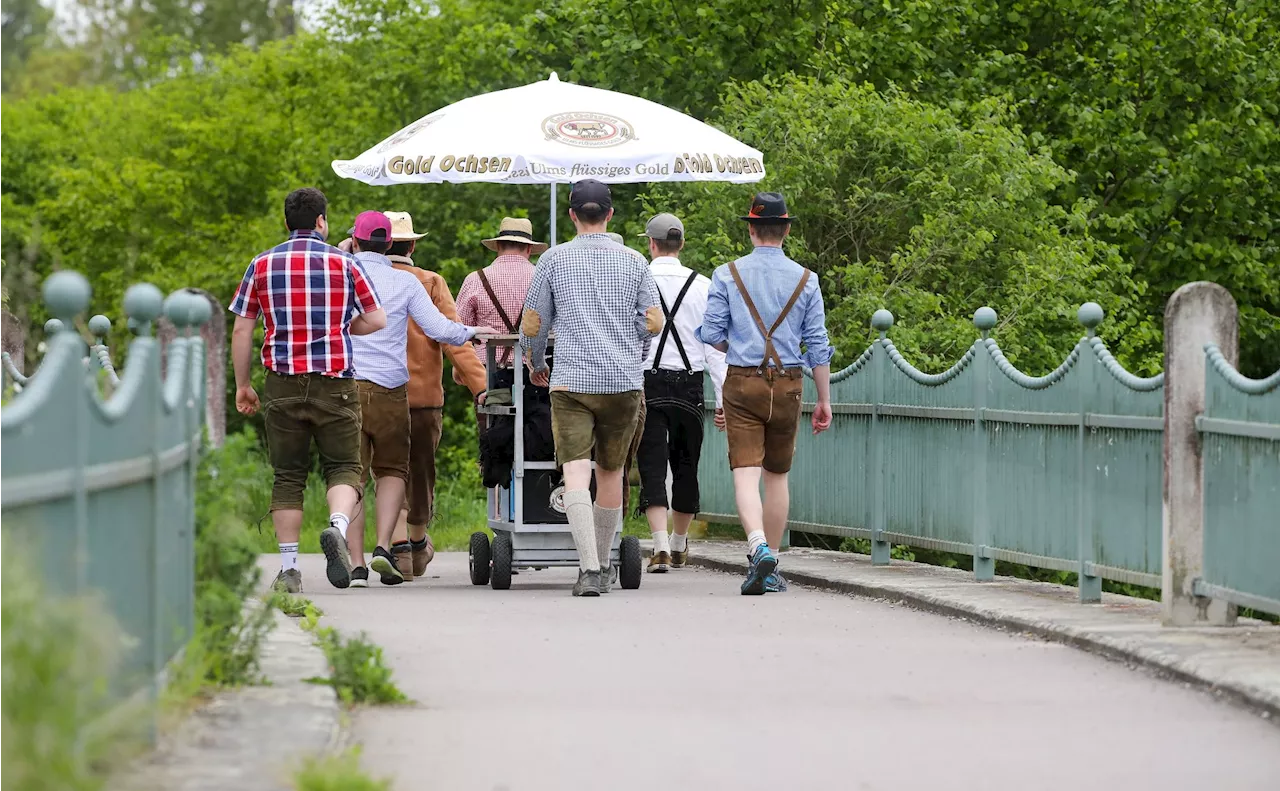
(680, 559)
(404, 563)
(659, 563)
(421, 557)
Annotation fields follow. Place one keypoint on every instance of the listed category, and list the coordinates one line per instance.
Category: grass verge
(358, 673)
(337, 773)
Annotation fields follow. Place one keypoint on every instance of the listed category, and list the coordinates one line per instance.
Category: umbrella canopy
(553, 132)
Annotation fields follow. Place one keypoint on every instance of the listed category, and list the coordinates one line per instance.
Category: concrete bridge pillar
(1197, 314)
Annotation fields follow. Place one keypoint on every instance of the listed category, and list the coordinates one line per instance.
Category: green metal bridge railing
(102, 492)
(1063, 471)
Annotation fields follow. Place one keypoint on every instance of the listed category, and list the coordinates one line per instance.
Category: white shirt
(670, 276)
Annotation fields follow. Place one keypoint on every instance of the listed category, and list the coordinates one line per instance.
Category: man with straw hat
(763, 386)
(412, 547)
(495, 295)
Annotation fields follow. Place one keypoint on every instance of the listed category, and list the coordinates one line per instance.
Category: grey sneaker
(338, 565)
(605, 583)
(288, 581)
(588, 583)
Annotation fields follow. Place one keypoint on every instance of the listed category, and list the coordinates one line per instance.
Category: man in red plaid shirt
(312, 298)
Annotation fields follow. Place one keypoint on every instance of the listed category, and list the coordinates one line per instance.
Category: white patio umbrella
(554, 132)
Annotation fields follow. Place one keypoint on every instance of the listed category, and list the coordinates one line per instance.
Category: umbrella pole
(553, 214)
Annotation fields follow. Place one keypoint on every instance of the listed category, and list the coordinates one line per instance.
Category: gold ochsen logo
(588, 130)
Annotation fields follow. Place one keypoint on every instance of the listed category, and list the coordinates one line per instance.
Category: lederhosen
(674, 422)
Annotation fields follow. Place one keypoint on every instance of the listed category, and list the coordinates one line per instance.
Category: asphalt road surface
(684, 684)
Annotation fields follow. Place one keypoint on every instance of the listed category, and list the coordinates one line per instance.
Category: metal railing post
(881, 321)
(1090, 315)
(984, 566)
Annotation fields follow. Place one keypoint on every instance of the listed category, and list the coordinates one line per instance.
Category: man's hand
(821, 417)
(346, 245)
(483, 330)
(719, 419)
(246, 400)
(480, 398)
(540, 378)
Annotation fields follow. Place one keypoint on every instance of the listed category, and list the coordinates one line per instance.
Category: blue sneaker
(763, 564)
(775, 583)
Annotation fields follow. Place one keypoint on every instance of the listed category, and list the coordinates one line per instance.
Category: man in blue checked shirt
(765, 379)
(603, 304)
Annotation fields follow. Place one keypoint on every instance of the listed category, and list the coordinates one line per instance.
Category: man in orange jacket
(412, 547)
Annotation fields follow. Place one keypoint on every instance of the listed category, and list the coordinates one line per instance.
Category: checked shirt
(307, 293)
(601, 301)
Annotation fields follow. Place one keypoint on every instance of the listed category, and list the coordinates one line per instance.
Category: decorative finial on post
(984, 318)
(143, 302)
(99, 325)
(67, 295)
(201, 310)
(881, 321)
(177, 308)
(1090, 315)
(53, 327)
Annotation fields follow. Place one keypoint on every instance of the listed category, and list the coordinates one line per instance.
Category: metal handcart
(527, 517)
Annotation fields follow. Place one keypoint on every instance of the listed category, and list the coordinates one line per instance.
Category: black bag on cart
(497, 449)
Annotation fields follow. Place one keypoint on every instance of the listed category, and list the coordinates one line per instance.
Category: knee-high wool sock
(577, 506)
(606, 526)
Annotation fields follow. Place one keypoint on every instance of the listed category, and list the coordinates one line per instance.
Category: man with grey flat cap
(674, 374)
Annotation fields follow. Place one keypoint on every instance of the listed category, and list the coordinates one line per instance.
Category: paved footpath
(684, 684)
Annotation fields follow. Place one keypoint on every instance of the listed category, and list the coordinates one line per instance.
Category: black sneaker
(359, 577)
(385, 565)
(588, 584)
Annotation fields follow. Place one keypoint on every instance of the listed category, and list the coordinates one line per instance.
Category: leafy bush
(358, 673)
(912, 207)
(230, 624)
(59, 728)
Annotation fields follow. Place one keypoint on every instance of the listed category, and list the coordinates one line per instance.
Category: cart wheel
(478, 558)
(629, 559)
(501, 579)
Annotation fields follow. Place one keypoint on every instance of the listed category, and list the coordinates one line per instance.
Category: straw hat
(515, 229)
(402, 227)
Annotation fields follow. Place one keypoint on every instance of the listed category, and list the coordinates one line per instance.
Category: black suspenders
(669, 327)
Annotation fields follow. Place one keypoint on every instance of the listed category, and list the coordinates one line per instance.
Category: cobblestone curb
(1240, 664)
(252, 738)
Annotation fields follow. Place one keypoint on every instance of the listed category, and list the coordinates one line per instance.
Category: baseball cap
(665, 226)
(372, 226)
(590, 191)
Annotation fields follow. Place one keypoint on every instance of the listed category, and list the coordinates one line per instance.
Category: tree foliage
(1028, 154)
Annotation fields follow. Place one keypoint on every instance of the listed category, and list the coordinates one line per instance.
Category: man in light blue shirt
(765, 311)
(382, 373)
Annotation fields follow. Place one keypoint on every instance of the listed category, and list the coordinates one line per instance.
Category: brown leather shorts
(762, 415)
(384, 431)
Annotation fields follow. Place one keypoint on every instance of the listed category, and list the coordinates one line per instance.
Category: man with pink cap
(382, 377)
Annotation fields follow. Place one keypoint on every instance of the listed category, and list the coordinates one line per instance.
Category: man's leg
(337, 435)
(288, 437)
(618, 417)
(746, 410)
(651, 460)
(780, 451)
(573, 426)
(685, 450)
(777, 500)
